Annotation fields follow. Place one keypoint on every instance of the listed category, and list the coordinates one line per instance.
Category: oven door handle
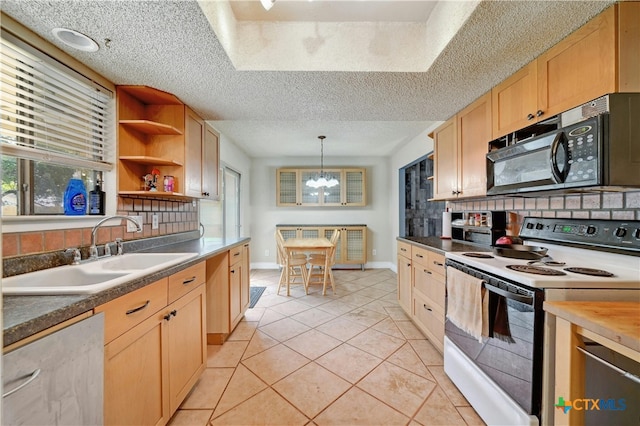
(507, 294)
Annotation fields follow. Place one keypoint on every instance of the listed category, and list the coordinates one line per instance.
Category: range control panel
(617, 234)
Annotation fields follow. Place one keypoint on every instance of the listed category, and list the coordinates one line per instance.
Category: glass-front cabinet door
(332, 196)
(354, 191)
(310, 195)
(286, 187)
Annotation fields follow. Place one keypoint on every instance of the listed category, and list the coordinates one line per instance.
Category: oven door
(511, 357)
(537, 164)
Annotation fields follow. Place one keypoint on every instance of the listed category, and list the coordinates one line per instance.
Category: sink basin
(91, 277)
(135, 261)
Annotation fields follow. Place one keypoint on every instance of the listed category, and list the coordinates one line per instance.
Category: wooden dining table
(320, 245)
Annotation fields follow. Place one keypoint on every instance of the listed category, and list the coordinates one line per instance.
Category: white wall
(414, 149)
(265, 215)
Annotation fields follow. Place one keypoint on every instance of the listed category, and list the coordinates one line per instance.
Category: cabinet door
(579, 68)
(404, 283)
(354, 244)
(309, 196)
(287, 187)
(514, 102)
(245, 296)
(474, 134)
(210, 163)
(62, 375)
(333, 196)
(354, 188)
(446, 160)
(136, 370)
(235, 293)
(309, 232)
(194, 133)
(187, 346)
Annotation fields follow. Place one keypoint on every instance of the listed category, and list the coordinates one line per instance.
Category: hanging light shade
(322, 181)
(267, 4)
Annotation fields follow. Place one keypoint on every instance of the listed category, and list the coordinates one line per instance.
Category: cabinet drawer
(436, 264)
(186, 280)
(404, 249)
(431, 320)
(430, 285)
(235, 255)
(125, 312)
(420, 255)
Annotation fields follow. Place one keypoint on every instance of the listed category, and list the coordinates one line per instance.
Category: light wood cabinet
(228, 282)
(404, 276)
(155, 348)
(422, 290)
(460, 148)
(351, 248)
(291, 188)
(600, 57)
(156, 130)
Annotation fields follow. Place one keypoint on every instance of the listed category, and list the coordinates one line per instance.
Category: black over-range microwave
(596, 146)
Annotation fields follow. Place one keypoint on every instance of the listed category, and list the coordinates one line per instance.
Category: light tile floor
(353, 358)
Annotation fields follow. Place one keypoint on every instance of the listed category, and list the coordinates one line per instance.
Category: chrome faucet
(93, 250)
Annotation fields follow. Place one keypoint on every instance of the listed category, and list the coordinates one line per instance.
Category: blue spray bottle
(75, 197)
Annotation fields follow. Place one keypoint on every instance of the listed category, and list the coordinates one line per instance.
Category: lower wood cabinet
(404, 276)
(422, 290)
(227, 292)
(153, 357)
(351, 247)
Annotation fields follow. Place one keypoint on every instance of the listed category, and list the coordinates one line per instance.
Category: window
(54, 123)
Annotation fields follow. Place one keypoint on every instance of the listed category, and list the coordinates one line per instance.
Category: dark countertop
(24, 316)
(443, 246)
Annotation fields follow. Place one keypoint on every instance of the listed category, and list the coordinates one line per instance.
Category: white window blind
(51, 113)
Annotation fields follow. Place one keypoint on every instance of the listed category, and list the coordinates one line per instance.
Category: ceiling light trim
(75, 39)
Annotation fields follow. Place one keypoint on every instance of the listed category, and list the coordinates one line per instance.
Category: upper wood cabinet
(460, 148)
(601, 57)
(156, 130)
(291, 188)
(202, 158)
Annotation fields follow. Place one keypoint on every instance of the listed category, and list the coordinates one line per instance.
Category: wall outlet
(266, 253)
(131, 227)
(154, 221)
(373, 252)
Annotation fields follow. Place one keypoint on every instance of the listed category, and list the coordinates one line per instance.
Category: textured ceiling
(170, 45)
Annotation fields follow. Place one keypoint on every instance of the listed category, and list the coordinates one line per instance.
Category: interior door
(231, 183)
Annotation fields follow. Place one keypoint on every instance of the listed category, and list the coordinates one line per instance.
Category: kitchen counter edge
(443, 246)
(24, 316)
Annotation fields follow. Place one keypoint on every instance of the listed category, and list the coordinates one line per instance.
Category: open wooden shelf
(151, 96)
(151, 127)
(155, 194)
(152, 161)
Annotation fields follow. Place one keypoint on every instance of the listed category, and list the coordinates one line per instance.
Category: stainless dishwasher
(58, 379)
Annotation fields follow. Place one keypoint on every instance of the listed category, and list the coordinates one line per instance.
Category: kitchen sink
(136, 261)
(91, 277)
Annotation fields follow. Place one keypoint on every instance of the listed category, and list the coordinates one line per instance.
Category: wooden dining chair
(293, 268)
(317, 264)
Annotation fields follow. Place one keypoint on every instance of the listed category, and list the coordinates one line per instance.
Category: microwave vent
(587, 110)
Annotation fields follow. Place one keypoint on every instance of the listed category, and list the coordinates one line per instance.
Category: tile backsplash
(606, 205)
(173, 217)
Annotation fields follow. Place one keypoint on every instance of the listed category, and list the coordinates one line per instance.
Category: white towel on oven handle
(467, 303)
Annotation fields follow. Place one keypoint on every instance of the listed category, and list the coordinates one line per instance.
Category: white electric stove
(512, 383)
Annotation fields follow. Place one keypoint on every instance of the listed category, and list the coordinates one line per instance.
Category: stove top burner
(535, 270)
(589, 271)
(478, 255)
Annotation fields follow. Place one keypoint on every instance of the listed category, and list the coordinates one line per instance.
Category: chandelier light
(322, 181)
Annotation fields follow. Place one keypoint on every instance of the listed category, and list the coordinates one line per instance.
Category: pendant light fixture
(267, 4)
(321, 181)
